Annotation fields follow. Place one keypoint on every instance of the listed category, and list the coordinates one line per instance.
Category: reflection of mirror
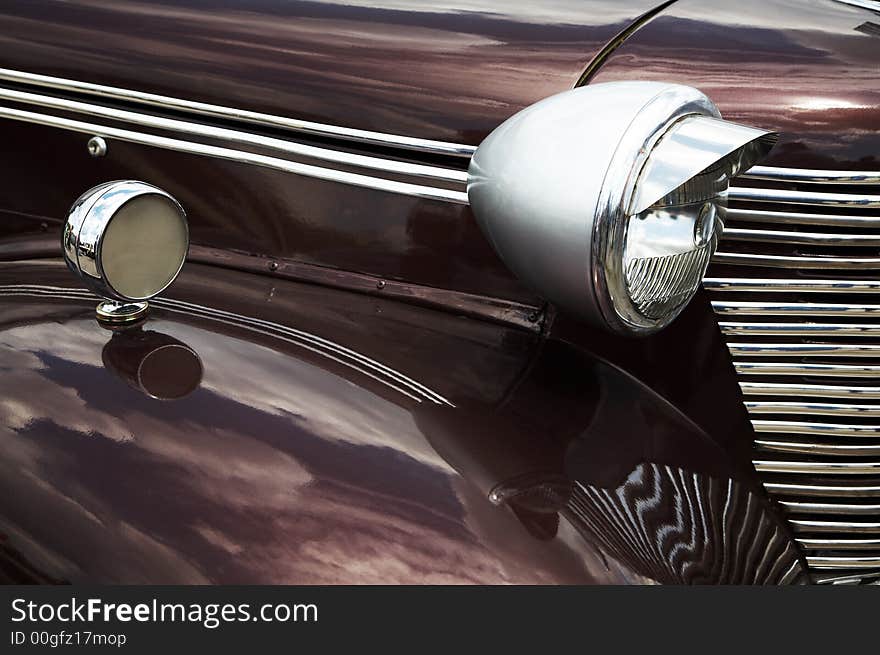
(580, 442)
(155, 364)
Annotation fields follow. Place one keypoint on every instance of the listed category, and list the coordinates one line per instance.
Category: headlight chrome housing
(609, 200)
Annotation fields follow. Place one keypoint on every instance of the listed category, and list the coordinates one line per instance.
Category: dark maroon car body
(376, 398)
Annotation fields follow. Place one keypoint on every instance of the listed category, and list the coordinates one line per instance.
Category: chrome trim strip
(307, 170)
(807, 525)
(811, 468)
(229, 113)
(811, 176)
(783, 285)
(794, 368)
(806, 448)
(792, 309)
(762, 216)
(799, 507)
(238, 137)
(808, 390)
(822, 409)
(804, 349)
(800, 329)
(815, 198)
(870, 5)
(306, 340)
(827, 562)
(811, 543)
(821, 429)
(787, 261)
(824, 490)
(800, 238)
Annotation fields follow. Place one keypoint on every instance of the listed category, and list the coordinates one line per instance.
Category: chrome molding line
(750, 308)
(795, 368)
(798, 507)
(813, 468)
(804, 349)
(307, 170)
(820, 429)
(775, 218)
(823, 409)
(805, 525)
(229, 113)
(808, 390)
(871, 5)
(786, 261)
(800, 238)
(811, 176)
(807, 448)
(816, 198)
(237, 137)
(331, 350)
(831, 562)
(618, 40)
(800, 329)
(811, 543)
(783, 285)
(823, 489)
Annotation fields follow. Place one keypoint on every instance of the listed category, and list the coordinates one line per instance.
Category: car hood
(449, 71)
(264, 431)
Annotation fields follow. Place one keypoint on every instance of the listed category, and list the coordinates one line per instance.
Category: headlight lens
(664, 248)
(665, 256)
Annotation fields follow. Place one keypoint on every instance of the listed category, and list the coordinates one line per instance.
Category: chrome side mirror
(127, 241)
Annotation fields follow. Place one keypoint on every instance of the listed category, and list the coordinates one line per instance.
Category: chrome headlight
(609, 200)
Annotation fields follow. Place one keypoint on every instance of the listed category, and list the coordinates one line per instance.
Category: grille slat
(824, 467)
(820, 429)
(801, 218)
(791, 286)
(811, 176)
(840, 544)
(734, 328)
(798, 507)
(823, 409)
(823, 489)
(808, 390)
(810, 448)
(844, 562)
(750, 308)
(811, 198)
(807, 369)
(805, 349)
(794, 286)
(801, 238)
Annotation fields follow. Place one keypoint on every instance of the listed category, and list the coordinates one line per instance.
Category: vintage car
(463, 291)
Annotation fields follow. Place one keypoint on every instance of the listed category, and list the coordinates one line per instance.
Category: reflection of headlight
(609, 200)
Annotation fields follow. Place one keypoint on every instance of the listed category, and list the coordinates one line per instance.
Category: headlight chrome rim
(615, 199)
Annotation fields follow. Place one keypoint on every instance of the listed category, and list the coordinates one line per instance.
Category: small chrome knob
(127, 241)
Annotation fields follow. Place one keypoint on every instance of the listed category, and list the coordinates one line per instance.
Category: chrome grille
(795, 286)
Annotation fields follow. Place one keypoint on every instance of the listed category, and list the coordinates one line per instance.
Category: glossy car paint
(805, 69)
(285, 465)
(449, 70)
(292, 461)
